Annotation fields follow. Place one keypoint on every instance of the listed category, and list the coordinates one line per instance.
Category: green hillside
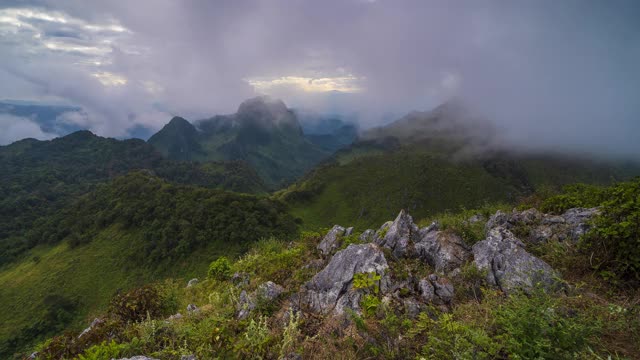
(135, 229)
(429, 163)
(263, 133)
(38, 178)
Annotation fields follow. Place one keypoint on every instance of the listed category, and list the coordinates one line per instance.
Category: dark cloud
(559, 74)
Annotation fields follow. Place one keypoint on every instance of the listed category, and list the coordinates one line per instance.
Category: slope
(432, 162)
(37, 178)
(135, 229)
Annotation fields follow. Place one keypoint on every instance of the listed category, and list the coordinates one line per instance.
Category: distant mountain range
(263, 132)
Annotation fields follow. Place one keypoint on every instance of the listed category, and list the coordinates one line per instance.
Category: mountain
(331, 133)
(38, 178)
(263, 132)
(431, 162)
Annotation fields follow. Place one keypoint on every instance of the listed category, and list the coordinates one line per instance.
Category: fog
(559, 75)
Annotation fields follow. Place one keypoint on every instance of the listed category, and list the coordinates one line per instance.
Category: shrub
(575, 195)
(615, 239)
(220, 269)
(538, 327)
(449, 338)
(136, 305)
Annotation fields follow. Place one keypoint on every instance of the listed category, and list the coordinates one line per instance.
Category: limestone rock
(509, 265)
(332, 240)
(399, 235)
(443, 250)
(331, 289)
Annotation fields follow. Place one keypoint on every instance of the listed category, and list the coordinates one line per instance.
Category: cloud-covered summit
(559, 74)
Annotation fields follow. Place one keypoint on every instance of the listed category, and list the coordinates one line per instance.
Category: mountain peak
(266, 112)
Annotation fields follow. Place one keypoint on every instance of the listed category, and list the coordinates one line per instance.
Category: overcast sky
(552, 73)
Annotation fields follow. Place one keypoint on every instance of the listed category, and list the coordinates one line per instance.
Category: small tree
(220, 269)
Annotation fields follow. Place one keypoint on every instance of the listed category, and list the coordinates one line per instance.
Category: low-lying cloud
(16, 128)
(554, 74)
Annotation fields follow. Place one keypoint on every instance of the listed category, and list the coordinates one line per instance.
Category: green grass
(371, 190)
(90, 274)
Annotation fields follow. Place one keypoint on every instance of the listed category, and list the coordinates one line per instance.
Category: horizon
(559, 76)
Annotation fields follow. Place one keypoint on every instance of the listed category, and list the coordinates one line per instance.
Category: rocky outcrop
(436, 290)
(266, 292)
(331, 289)
(443, 250)
(543, 228)
(398, 235)
(509, 266)
(332, 240)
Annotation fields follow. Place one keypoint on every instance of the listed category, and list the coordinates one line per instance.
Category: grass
(581, 323)
(89, 274)
(370, 190)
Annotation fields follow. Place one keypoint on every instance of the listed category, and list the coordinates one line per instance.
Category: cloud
(554, 74)
(16, 128)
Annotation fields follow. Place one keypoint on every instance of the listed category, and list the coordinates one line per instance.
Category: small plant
(290, 334)
(220, 269)
(369, 304)
(370, 282)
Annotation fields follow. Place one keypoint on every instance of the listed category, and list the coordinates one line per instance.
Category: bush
(449, 338)
(575, 195)
(538, 327)
(615, 239)
(220, 269)
(136, 305)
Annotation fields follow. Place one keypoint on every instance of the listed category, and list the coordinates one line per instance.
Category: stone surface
(443, 250)
(332, 240)
(367, 235)
(268, 291)
(192, 282)
(188, 357)
(191, 308)
(398, 236)
(330, 290)
(497, 219)
(509, 266)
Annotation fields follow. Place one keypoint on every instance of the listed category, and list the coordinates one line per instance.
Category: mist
(554, 75)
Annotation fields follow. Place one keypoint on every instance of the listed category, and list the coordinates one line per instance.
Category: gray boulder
(348, 231)
(399, 234)
(509, 266)
(331, 290)
(246, 304)
(367, 236)
(579, 221)
(191, 309)
(443, 250)
(497, 219)
(526, 217)
(436, 290)
(332, 240)
(267, 292)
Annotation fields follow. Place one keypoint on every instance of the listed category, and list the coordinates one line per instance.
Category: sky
(551, 74)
